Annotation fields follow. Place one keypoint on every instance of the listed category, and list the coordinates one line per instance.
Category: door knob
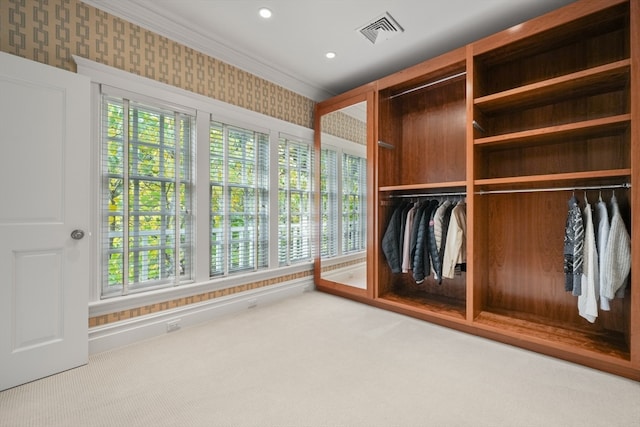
(77, 234)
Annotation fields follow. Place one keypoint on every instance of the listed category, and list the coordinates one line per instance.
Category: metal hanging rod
(535, 190)
(444, 79)
(625, 185)
(386, 145)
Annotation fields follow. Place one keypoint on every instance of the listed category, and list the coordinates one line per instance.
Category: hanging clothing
(417, 239)
(434, 254)
(406, 240)
(421, 259)
(573, 248)
(439, 221)
(446, 220)
(415, 231)
(403, 222)
(441, 227)
(602, 216)
(617, 256)
(455, 246)
(391, 240)
(588, 299)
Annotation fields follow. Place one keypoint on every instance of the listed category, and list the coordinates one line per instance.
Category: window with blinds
(239, 177)
(354, 203)
(295, 178)
(329, 203)
(147, 169)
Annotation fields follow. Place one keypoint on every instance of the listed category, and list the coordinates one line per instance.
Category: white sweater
(617, 256)
(602, 215)
(588, 299)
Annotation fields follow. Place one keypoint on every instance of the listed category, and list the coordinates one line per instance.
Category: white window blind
(239, 176)
(354, 203)
(146, 199)
(295, 178)
(329, 203)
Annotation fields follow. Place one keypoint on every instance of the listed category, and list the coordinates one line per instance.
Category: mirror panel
(342, 196)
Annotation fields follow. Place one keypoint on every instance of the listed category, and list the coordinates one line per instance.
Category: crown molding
(143, 15)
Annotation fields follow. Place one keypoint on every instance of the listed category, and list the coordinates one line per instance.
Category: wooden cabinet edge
(556, 18)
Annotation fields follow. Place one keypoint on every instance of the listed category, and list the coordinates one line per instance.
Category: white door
(44, 184)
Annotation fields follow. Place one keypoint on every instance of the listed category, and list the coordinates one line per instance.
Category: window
(295, 177)
(329, 202)
(239, 177)
(343, 200)
(146, 196)
(183, 191)
(354, 203)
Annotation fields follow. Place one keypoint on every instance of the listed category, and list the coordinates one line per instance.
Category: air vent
(381, 29)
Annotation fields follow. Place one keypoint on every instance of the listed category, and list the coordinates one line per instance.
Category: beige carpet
(320, 360)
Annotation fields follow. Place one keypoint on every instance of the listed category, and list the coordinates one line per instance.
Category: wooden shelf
(436, 305)
(461, 185)
(589, 128)
(608, 344)
(560, 179)
(572, 85)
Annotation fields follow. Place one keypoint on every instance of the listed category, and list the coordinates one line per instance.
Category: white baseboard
(117, 334)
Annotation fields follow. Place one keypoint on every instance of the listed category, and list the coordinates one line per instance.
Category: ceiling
(289, 48)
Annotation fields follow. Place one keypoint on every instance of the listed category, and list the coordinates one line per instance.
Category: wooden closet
(515, 124)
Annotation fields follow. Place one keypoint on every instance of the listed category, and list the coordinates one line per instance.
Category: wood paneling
(423, 115)
(433, 133)
(524, 257)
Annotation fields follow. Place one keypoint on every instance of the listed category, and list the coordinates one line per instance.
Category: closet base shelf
(601, 344)
(435, 305)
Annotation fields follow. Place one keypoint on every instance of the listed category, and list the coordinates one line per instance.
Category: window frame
(357, 227)
(130, 141)
(306, 253)
(329, 218)
(341, 147)
(151, 91)
(257, 228)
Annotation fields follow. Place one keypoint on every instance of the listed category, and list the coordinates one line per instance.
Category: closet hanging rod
(442, 80)
(625, 185)
(535, 190)
(386, 145)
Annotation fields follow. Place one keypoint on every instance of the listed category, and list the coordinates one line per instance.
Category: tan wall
(346, 127)
(50, 31)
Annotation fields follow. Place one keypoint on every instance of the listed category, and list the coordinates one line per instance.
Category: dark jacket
(391, 240)
(421, 263)
(434, 254)
(573, 248)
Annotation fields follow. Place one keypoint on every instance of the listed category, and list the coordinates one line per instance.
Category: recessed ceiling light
(264, 12)
(330, 55)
